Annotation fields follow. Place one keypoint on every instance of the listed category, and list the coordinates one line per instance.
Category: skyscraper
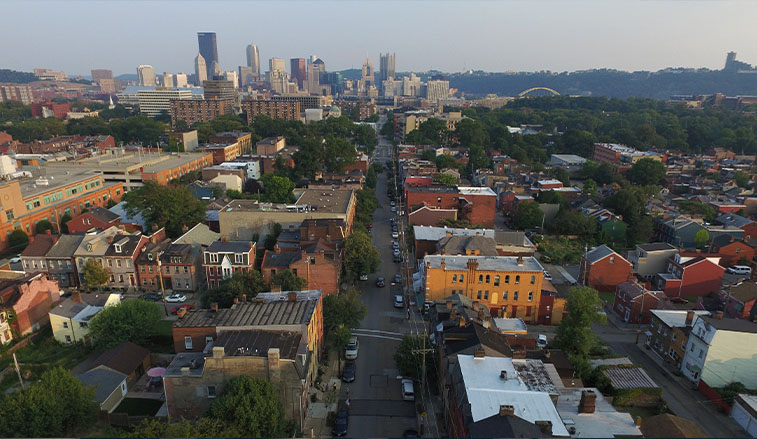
(386, 66)
(368, 78)
(169, 80)
(201, 71)
(98, 74)
(209, 51)
(298, 71)
(181, 80)
(253, 59)
(146, 75)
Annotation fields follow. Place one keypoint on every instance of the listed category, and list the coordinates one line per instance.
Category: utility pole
(423, 352)
(162, 291)
(18, 371)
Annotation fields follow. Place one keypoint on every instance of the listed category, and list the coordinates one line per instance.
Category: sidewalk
(315, 421)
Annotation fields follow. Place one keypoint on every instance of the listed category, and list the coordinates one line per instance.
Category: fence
(714, 397)
(124, 420)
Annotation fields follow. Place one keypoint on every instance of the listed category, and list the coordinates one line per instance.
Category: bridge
(533, 89)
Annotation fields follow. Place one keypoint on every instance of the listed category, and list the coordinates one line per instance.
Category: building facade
(224, 258)
(194, 111)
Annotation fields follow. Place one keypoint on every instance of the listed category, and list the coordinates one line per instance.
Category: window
(478, 296)
(515, 295)
(517, 279)
(83, 324)
(486, 294)
(188, 343)
(68, 339)
(213, 257)
(65, 324)
(110, 262)
(211, 391)
(612, 259)
(118, 263)
(507, 278)
(150, 268)
(504, 295)
(208, 339)
(438, 199)
(701, 353)
(9, 214)
(186, 269)
(454, 278)
(533, 280)
(530, 296)
(480, 278)
(692, 347)
(461, 278)
(496, 280)
(121, 278)
(238, 258)
(488, 279)
(673, 339)
(142, 268)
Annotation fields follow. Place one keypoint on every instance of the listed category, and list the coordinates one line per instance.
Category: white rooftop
(510, 324)
(486, 391)
(431, 233)
(476, 190)
(604, 422)
(550, 181)
(485, 263)
(675, 318)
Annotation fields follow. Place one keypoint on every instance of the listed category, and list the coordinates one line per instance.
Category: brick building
(224, 152)
(147, 265)
(274, 109)
(603, 269)
(98, 218)
(427, 216)
(50, 109)
(241, 138)
(25, 302)
(224, 258)
(194, 111)
(475, 204)
(320, 264)
(687, 276)
(183, 266)
(668, 333)
(633, 302)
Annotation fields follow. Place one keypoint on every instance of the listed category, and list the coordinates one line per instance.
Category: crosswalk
(377, 333)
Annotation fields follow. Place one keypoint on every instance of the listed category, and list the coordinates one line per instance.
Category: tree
(590, 187)
(572, 222)
(562, 175)
(249, 407)
(345, 309)
(277, 189)
(57, 405)
(64, 222)
(741, 179)
(137, 321)
(528, 216)
(647, 172)
(288, 281)
(574, 334)
(370, 178)
(361, 257)
(250, 283)
(43, 226)
(172, 206)
(95, 275)
(701, 238)
(553, 197)
(204, 427)
(410, 362)
(18, 240)
(477, 159)
(445, 179)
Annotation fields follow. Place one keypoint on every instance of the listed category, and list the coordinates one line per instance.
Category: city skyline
(558, 36)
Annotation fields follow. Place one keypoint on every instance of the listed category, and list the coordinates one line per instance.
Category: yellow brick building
(509, 286)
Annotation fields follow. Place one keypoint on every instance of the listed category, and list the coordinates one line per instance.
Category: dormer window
(117, 247)
(238, 258)
(89, 246)
(149, 256)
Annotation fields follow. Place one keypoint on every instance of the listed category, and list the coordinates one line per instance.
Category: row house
(224, 258)
(320, 264)
(120, 260)
(25, 301)
(93, 246)
(652, 258)
(603, 269)
(183, 266)
(148, 265)
(739, 300)
(98, 218)
(634, 302)
(60, 260)
(33, 258)
(727, 249)
(687, 276)
(668, 333)
(679, 231)
(732, 220)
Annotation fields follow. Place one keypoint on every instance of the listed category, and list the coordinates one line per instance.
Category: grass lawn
(644, 412)
(561, 249)
(163, 343)
(139, 406)
(607, 296)
(45, 350)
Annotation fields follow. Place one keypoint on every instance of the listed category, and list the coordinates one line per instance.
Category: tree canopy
(288, 281)
(647, 172)
(18, 240)
(249, 407)
(250, 283)
(361, 257)
(137, 321)
(345, 309)
(574, 334)
(95, 275)
(277, 189)
(528, 216)
(171, 206)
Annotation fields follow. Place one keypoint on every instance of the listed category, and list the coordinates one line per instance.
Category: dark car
(397, 278)
(410, 433)
(340, 423)
(380, 282)
(348, 375)
(151, 296)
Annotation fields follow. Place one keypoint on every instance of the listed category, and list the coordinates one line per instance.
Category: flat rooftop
(131, 162)
(54, 178)
(485, 263)
(335, 201)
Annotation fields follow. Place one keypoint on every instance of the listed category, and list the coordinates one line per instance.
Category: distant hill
(611, 83)
(7, 75)
(128, 77)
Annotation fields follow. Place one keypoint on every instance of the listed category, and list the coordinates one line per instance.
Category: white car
(394, 209)
(176, 298)
(399, 301)
(547, 275)
(395, 235)
(350, 351)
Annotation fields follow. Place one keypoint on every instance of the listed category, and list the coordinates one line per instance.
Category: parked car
(350, 351)
(176, 309)
(176, 298)
(340, 423)
(397, 258)
(348, 375)
(740, 270)
(395, 245)
(393, 203)
(399, 301)
(547, 275)
(396, 252)
(380, 282)
(394, 209)
(408, 392)
(541, 341)
(397, 278)
(151, 296)
(395, 235)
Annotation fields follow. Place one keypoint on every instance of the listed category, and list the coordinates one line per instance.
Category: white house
(70, 319)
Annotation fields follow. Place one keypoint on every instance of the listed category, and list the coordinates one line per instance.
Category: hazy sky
(526, 35)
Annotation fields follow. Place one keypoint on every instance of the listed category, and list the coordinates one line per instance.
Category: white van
(408, 392)
(740, 270)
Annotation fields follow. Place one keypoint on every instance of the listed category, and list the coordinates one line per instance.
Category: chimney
(520, 260)
(273, 357)
(184, 228)
(244, 297)
(479, 353)
(236, 300)
(48, 232)
(718, 315)
(251, 244)
(449, 304)
(218, 351)
(689, 318)
(292, 296)
(637, 421)
(185, 371)
(31, 239)
(214, 307)
(76, 296)
(506, 410)
(181, 312)
(588, 401)
(503, 375)
(545, 427)
(225, 239)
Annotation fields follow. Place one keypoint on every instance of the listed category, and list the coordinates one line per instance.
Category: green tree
(477, 159)
(18, 240)
(528, 216)
(370, 178)
(647, 172)
(574, 334)
(277, 189)
(43, 226)
(553, 197)
(137, 321)
(572, 222)
(590, 187)
(288, 281)
(562, 175)
(250, 283)
(57, 405)
(172, 206)
(701, 238)
(445, 179)
(345, 309)
(742, 179)
(361, 257)
(95, 275)
(64, 222)
(204, 427)
(444, 161)
(249, 407)
(410, 362)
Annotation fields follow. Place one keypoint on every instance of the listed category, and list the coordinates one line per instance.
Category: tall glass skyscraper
(253, 58)
(209, 51)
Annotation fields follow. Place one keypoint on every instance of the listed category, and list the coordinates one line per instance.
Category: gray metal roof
(629, 378)
(65, 247)
(257, 342)
(600, 253)
(460, 245)
(656, 246)
(485, 263)
(230, 247)
(426, 233)
(105, 381)
(733, 220)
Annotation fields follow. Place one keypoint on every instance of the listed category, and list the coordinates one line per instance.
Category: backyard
(139, 406)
